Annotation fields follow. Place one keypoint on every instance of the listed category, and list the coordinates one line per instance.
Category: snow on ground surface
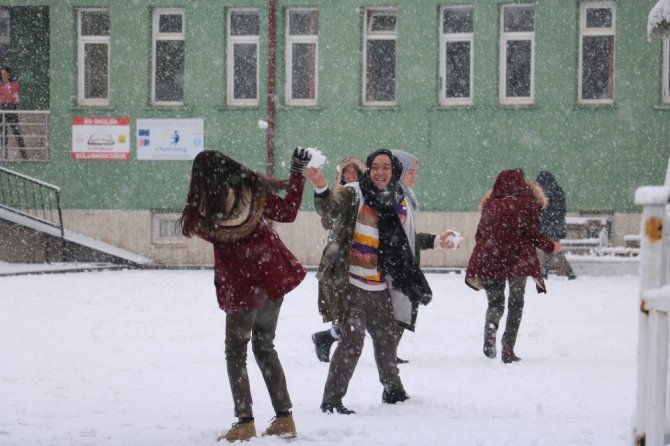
(137, 358)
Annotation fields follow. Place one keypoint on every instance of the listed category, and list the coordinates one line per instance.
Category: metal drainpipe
(272, 51)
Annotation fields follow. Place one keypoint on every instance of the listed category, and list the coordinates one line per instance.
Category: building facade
(470, 87)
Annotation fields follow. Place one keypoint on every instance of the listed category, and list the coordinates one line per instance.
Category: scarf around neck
(395, 253)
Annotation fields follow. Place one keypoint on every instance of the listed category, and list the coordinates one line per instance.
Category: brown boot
(283, 426)
(240, 431)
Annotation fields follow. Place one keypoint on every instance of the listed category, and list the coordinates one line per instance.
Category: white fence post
(653, 324)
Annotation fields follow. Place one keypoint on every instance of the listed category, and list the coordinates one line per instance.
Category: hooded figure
(507, 236)
(552, 223)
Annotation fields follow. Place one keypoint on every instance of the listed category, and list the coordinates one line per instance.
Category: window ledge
(238, 107)
(662, 107)
(372, 108)
(92, 107)
(594, 107)
(182, 107)
(453, 107)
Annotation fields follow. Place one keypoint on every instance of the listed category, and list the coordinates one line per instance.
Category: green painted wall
(599, 154)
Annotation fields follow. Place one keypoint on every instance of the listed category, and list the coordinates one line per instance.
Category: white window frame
(312, 39)
(230, 60)
(160, 36)
(445, 39)
(516, 36)
(666, 71)
(590, 32)
(377, 35)
(82, 41)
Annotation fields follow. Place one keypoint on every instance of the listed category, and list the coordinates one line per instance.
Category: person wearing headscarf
(552, 223)
(505, 242)
(370, 244)
(404, 310)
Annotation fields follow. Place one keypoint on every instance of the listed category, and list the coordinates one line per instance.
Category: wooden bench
(587, 234)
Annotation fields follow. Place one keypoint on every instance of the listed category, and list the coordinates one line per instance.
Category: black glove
(425, 299)
(300, 159)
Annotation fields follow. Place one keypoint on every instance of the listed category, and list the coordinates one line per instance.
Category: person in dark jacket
(349, 170)
(368, 245)
(228, 205)
(552, 223)
(507, 236)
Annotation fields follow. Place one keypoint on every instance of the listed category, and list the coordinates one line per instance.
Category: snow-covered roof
(658, 25)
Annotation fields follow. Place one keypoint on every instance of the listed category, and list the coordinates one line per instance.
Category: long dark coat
(508, 234)
(259, 264)
(552, 218)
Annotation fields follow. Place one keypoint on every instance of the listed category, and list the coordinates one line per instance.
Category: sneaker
(401, 361)
(509, 357)
(394, 396)
(240, 431)
(339, 408)
(323, 340)
(282, 426)
(490, 340)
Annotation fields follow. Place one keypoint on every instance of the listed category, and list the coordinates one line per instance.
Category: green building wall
(601, 154)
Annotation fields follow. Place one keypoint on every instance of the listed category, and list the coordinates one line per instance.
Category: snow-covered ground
(137, 358)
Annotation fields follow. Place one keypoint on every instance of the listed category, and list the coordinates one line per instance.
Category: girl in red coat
(506, 238)
(228, 205)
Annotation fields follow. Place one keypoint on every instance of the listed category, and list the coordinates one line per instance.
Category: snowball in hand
(317, 159)
(455, 238)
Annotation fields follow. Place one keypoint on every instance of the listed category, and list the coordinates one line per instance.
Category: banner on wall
(100, 138)
(169, 139)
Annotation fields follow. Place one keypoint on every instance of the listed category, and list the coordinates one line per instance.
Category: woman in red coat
(228, 205)
(506, 238)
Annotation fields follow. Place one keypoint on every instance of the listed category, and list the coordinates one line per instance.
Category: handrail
(33, 199)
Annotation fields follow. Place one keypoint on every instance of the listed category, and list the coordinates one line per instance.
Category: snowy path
(136, 358)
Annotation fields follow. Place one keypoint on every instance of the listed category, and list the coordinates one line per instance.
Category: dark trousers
(11, 121)
(495, 293)
(259, 327)
(371, 311)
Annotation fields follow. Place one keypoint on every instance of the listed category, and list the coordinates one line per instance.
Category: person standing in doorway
(9, 100)
(229, 206)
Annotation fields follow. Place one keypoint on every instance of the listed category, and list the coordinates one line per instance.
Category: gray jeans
(259, 327)
(495, 292)
(371, 311)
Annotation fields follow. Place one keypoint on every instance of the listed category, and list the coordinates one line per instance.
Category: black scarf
(395, 254)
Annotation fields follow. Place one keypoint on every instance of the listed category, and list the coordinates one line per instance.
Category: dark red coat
(508, 234)
(259, 264)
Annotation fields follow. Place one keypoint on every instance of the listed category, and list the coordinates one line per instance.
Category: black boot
(490, 340)
(508, 356)
(323, 340)
(339, 408)
(394, 396)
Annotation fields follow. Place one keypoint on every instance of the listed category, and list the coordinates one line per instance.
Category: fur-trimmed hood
(346, 162)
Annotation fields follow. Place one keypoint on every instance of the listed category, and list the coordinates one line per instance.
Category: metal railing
(24, 135)
(32, 199)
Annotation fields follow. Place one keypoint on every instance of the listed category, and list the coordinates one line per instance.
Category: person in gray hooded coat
(404, 310)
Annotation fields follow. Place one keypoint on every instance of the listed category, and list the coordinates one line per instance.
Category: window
(379, 57)
(243, 29)
(164, 228)
(666, 71)
(4, 35)
(93, 56)
(456, 55)
(302, 52)
(597, 24)
(167, 86)
(517, 54)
